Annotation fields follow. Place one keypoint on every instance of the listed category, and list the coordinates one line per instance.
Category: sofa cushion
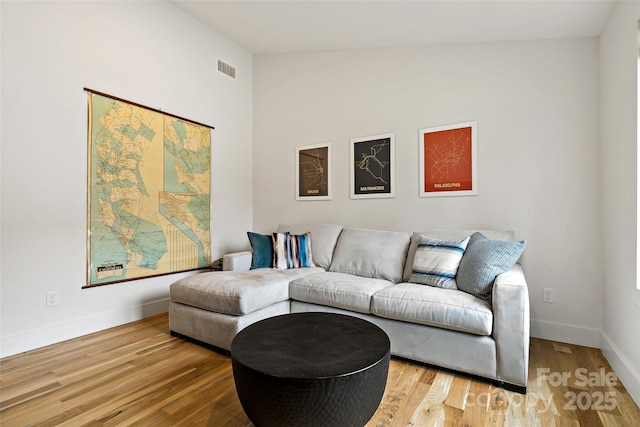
(234, 292)
(292, 250)
(262, 247)
(436, 262)
(483, 260)
(371, 253)
(448, 235)
(337, 290)
(428, 305)
(323, 239)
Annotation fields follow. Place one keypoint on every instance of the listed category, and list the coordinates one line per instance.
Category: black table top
(310, 345)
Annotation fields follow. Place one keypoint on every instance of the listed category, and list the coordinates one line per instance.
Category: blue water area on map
(128, 131)
(151, 244)
(180, 129)
(202, 262)
(147, 240)
(103, 237)
(176, 156)
(170, 173)
(199, 208)
(147, 132)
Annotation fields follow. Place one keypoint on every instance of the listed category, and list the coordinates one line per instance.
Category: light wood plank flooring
(138, 374)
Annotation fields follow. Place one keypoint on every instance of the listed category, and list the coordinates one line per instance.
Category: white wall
(619, 127)
(152, 53)
(536, 105)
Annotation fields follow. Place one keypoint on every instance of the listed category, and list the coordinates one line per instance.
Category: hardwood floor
(138, 374)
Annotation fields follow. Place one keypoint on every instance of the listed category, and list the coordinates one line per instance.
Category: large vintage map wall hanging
(148, 192)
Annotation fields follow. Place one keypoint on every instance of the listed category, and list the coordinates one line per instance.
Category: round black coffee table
(310, 369)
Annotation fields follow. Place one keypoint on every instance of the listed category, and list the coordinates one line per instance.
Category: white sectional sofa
(368, 274)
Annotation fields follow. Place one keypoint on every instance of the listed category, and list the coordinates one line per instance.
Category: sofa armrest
(237, 261)
(510, 301)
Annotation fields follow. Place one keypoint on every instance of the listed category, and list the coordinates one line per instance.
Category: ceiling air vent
(227, 69)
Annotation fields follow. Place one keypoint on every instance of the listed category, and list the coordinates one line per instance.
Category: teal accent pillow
(262, 250)
(482, 261)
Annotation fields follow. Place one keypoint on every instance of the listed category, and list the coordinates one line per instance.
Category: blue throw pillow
(482, 261)
(262, 250)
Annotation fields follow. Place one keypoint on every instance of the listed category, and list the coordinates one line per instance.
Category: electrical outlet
(547, 295)
(52, 298)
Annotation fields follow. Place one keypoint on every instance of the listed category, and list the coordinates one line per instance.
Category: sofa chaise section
(213, 307)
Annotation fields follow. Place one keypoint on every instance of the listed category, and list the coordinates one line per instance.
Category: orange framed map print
(448, 160)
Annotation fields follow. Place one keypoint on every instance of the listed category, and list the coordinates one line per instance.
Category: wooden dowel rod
(144, 106)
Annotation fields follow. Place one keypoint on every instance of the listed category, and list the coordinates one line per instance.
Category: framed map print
(372, 166)
(148, 192)
(313, 172)
(448, 160)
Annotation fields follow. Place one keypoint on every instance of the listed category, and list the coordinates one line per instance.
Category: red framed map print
(448, 159)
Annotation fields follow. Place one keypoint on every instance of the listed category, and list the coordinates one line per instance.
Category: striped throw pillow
(292, 250)
(436, 262)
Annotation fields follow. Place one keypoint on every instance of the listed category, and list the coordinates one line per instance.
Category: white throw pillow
(436, 262)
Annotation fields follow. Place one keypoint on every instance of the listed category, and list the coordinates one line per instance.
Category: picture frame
(372, 166)
(313, 172)
(448, 160)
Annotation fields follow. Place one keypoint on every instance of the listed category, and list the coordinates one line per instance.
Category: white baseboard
(37, 338)
(625, 372)
(561, 332)
(587, 337)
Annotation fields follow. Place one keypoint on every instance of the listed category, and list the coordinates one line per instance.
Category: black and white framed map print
(372, 166)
